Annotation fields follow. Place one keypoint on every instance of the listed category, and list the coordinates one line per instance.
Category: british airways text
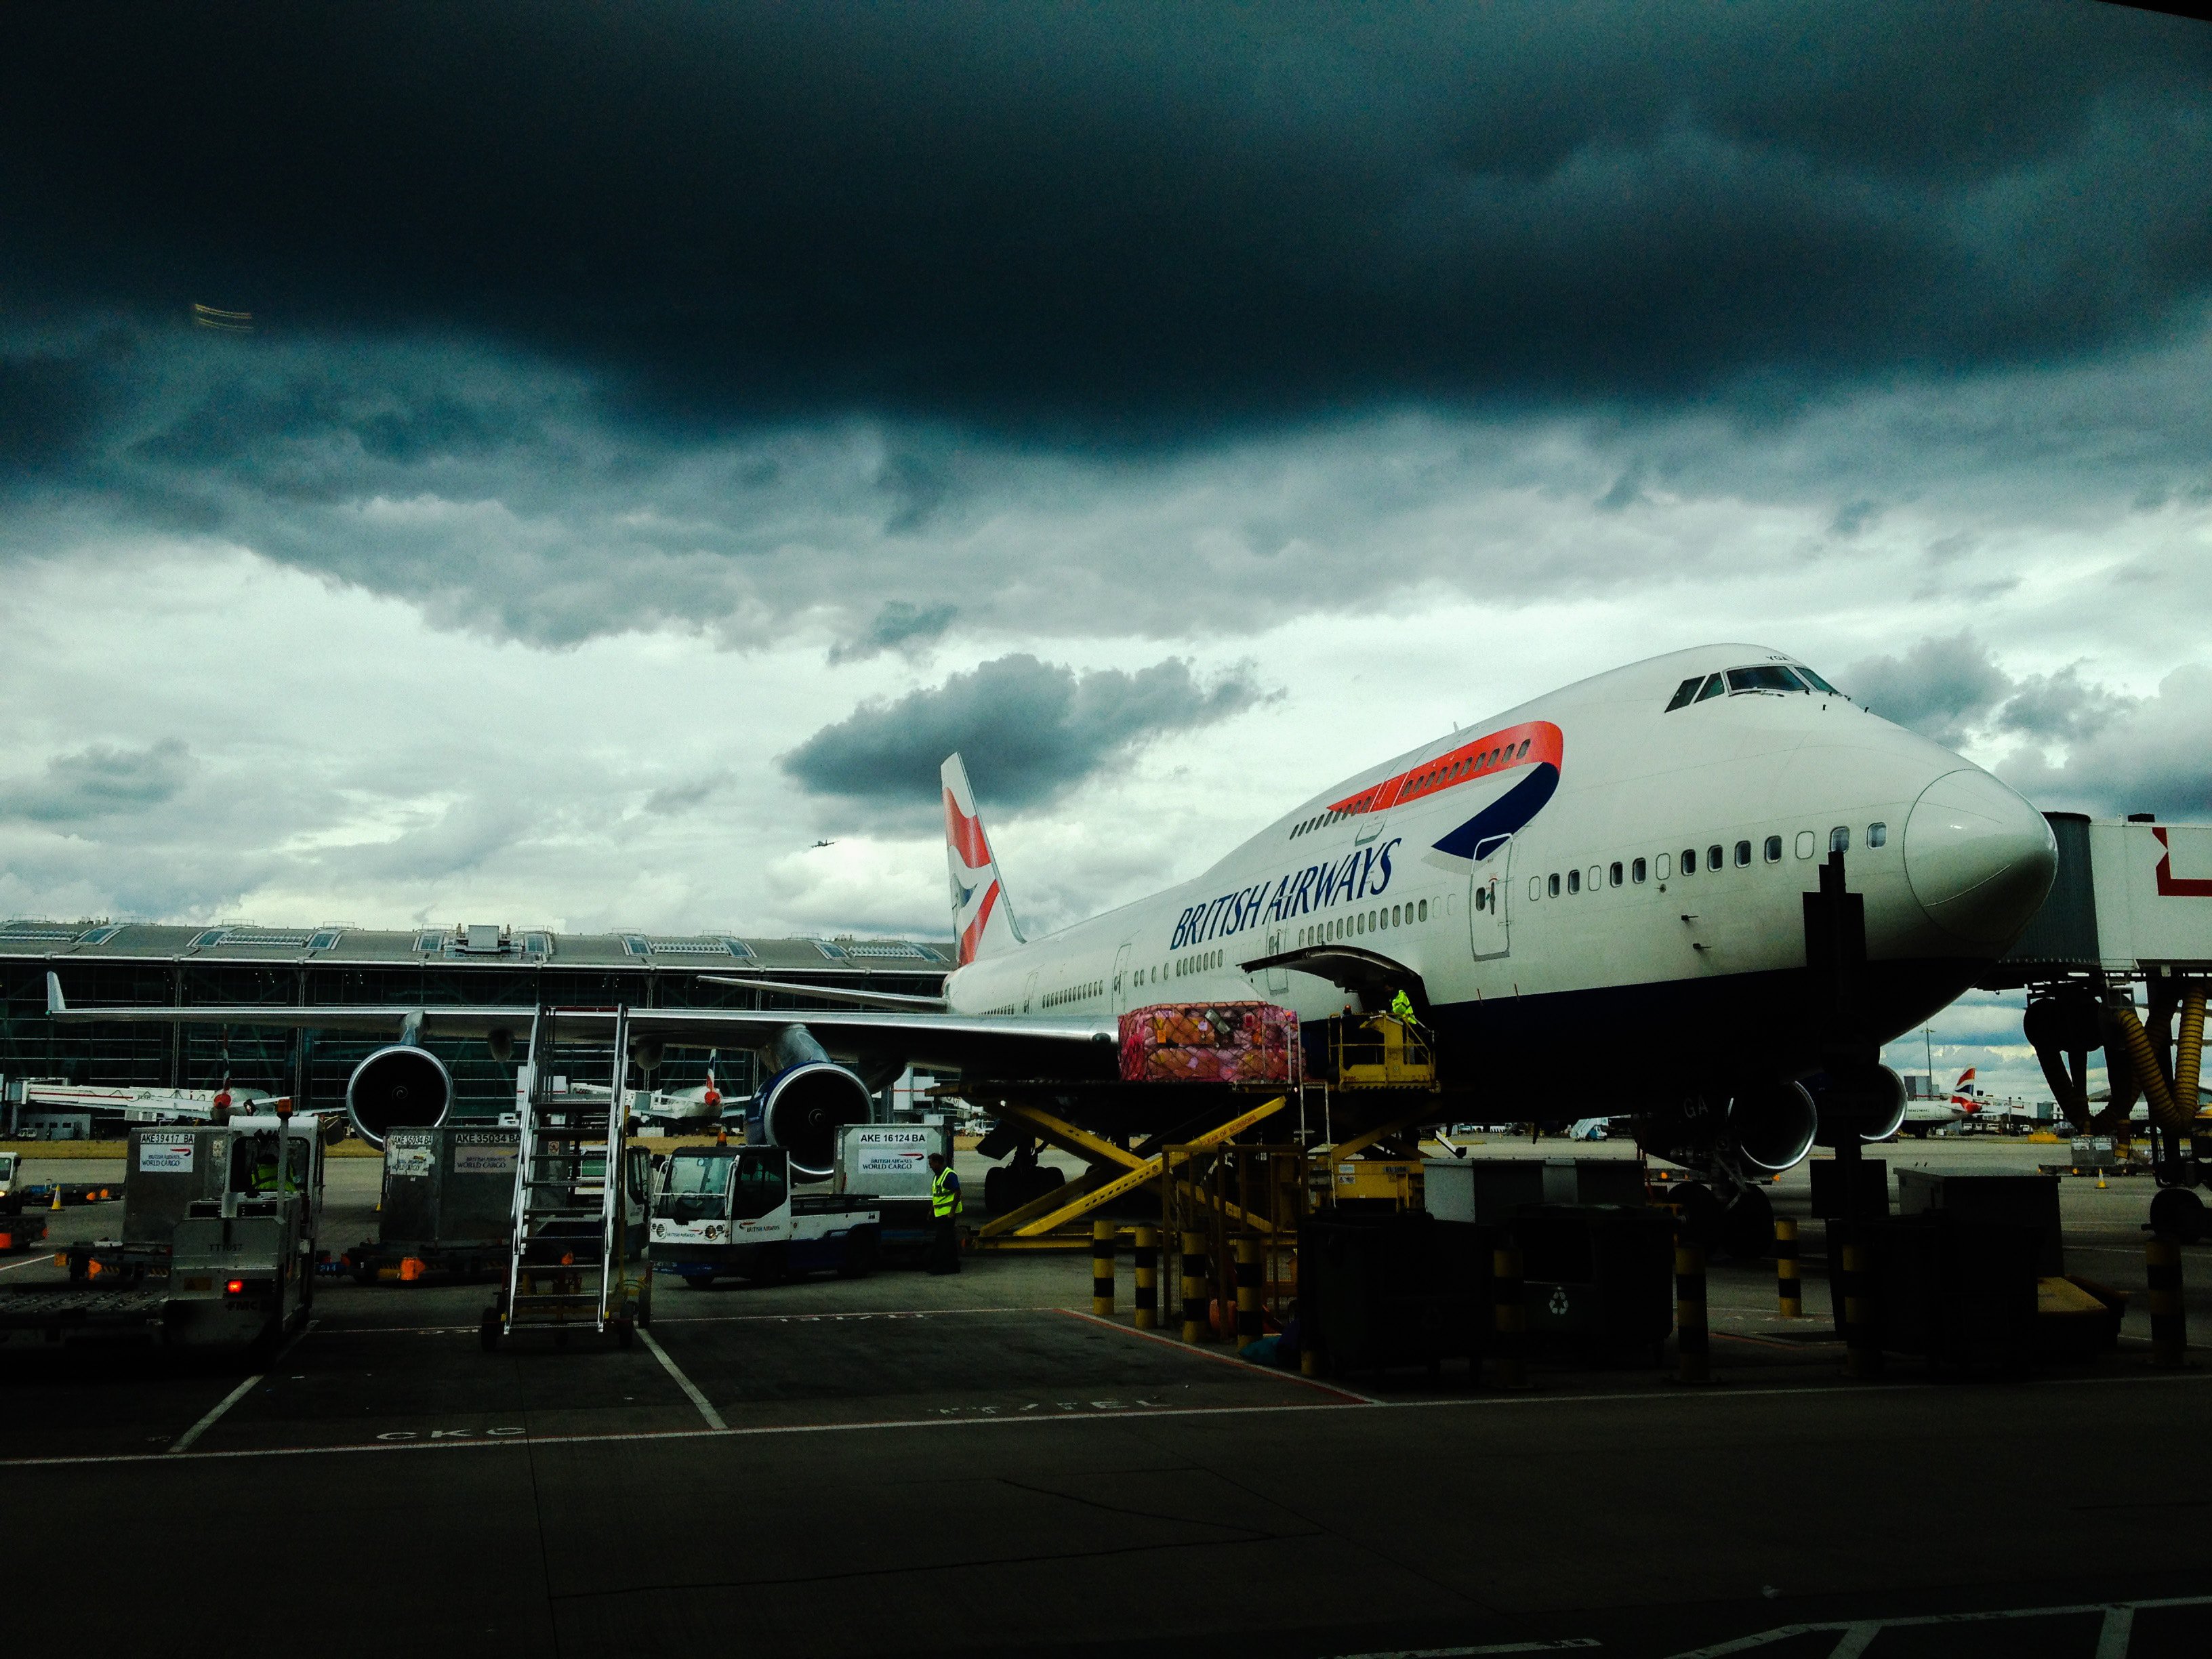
(1360, 874)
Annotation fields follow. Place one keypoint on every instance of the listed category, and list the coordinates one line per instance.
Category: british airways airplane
(1595, 901)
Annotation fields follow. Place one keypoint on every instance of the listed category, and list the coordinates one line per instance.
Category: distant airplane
(1607, 882)
(823, 843)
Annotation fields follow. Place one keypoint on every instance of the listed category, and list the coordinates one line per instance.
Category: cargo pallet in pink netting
(1210, 1042)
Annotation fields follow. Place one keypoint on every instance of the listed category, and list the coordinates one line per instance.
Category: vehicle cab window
(760, 1184)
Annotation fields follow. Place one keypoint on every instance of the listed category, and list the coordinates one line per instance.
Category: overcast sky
(664, 431)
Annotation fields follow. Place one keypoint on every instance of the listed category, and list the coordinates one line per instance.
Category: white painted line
(1204, 1352)
(706, 1407)
(184, 1441)
(2119, 1616)
(1565, 1644)
(1671, 1396)
(26, 1261)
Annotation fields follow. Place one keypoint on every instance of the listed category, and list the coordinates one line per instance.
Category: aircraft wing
(370, 1019)
(997, 1042)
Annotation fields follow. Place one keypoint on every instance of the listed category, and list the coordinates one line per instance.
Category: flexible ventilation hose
(2145, 1065)
(2188, 1053)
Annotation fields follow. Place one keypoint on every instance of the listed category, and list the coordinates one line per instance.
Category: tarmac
(974, 1464)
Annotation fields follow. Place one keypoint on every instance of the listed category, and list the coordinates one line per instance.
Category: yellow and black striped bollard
(2169, 1323)
(1193, 1287)
(1692, 1338)
(1862, 1336)
(1789, 1288)
(1148, 1278)
(1509, 1319)
(1248, 1292)
(1102, 1268)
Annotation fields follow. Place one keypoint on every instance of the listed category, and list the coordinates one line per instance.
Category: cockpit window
(1765, 677)
(1714, 686)
(1685, 691)
(1816, 682)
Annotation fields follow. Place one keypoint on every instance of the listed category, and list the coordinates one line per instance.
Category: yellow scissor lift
(1379, 1055)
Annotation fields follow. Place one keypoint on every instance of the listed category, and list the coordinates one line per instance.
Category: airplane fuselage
(1609, 878)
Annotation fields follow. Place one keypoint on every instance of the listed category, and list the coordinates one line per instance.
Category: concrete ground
(909, 1465)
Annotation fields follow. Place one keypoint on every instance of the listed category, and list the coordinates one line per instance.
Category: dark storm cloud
(1949, 688)
(1938, 688)
(1126, 222)
(897, 627)
(102, 781)
(1027, 730)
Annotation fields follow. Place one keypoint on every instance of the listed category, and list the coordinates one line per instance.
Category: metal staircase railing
(567, 1268)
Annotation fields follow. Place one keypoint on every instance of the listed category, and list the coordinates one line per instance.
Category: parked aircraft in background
(1608, 880)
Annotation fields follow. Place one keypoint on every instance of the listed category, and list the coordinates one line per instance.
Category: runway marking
(1204, 1352)
(714, 1418)
(1565, 1644)
(752, 1430)
(701, 1319)
(1858, 1634)
(184, 1441)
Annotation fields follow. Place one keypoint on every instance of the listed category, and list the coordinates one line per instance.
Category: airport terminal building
(235, 964)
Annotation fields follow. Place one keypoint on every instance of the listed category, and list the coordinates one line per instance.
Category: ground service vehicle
(731, 1210)
(218, 1249)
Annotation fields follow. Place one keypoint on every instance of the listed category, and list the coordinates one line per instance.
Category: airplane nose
(1980, 859)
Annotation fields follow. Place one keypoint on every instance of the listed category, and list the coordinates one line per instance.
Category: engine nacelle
(801, 1109)
(1773, 1127)
(402, 1087)
(1870, 1105)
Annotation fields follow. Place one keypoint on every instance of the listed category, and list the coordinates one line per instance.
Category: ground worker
(945, 1208)
(1401, 1010)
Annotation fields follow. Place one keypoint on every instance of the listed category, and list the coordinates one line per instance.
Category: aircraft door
(1029, 991)
(1276, 982)
(1120, 987)
(1489, 903)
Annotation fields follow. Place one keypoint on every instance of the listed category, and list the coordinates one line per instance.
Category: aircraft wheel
(1748, 1226)
(2178, 1214)
(1703, 1219)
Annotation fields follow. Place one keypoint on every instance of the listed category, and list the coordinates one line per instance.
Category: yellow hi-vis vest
(945, 1194)
(1401, 1008)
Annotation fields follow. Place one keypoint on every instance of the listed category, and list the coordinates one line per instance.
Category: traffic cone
(57, 1203)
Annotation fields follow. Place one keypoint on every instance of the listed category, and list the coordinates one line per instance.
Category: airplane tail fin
(982, 915)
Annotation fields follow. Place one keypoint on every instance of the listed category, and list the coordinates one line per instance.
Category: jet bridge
(2131, 906)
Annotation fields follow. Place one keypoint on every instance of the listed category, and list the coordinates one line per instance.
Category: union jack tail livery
(982, 916)
(1965, 1093)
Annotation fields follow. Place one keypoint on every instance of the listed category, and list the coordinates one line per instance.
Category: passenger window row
(1369, 921)
(1074, 993)
(1448, 770)
(1204, 961)
(1718, 856)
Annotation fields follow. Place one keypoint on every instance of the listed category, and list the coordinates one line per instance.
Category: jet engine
(1766, 1129)
(402, 1087)
(1773, 1127)
(1868, 1103)
(801, 1109)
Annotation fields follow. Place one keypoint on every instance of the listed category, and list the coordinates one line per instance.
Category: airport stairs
(566, 1271)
